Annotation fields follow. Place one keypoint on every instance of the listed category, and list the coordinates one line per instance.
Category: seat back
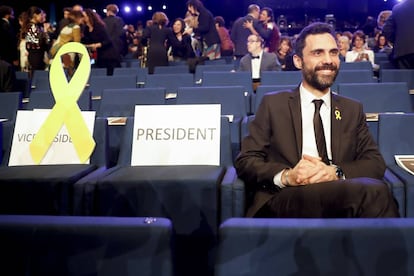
(44, 99)
(122, 102)
(263, 89)
(23, 83)
(379, 97)
(353, 76)
(98, 83)
(315, 247)
(232, 98)
(395, 132)
(170, 82)
(62, 245)
(281, 77)
(200, 69)
(213, 78)
(10, 102)
(174, 69)
(356, 66)
(398, 75)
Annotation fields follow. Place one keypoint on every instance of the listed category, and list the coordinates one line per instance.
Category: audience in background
(180, 47)
(258, 60)
(155, 37)
(343, 45)
(359, 52)
(97, 40)
(7, 77)
(115, 26)
(8, 45)
(285, 54)
(206, 29)
(37, 39)
(398, 30)
(226, 46)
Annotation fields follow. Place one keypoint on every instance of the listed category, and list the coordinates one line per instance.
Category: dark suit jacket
(275, 143)
(7, 77)
(269, 62)
(239, 35)
(398, 28)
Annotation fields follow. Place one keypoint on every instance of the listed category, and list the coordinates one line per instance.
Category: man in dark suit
(8, 45)
(7, 77)
(257, 60)
(398, 30)
(301, 162)
(239, 32)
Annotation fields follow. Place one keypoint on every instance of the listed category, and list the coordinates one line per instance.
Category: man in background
(398, 30)
(258, 60)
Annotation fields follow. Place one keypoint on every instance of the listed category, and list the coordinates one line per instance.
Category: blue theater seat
(61, 245)
(48, 189)
(395, 134)
(252, 247)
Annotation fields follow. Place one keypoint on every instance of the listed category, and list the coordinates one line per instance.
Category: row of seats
(46, 245)
(113, 141)
(350, 72)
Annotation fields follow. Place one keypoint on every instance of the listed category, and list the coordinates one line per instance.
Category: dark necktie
(253, 57)
(319, 133)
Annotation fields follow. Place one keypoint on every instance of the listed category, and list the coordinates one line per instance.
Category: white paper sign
(176, 135)
(62, 150)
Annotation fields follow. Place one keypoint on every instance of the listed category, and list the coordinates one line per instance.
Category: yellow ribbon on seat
(66, 110)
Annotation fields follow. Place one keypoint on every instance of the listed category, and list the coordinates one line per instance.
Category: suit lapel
(295, 112)
(336, 128)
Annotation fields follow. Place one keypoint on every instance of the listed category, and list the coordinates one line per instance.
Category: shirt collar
(307, 97)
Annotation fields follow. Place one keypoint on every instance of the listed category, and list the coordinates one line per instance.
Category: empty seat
(281, 77)
(44, 100)
(122, 102)
(198, 76)
(170, 82)
(212, 78)
(174, 69)
(263, 89)
(356, 66)
(254, 247)
(47, 189)
(61, 245)
(395, 134)
(353, 76)
(398, 75)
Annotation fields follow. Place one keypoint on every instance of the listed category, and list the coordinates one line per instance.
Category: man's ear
(297, 61)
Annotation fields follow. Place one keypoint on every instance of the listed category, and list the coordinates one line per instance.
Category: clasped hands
(309, 170)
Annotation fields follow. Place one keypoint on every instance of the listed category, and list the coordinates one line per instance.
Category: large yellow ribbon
(66, 110)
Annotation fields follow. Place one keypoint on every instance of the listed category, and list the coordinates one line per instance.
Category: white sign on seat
(61, 151)
(176, 135)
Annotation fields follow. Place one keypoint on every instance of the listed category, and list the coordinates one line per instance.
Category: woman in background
(156, 36)
(69, 33)
(24, 63)
(226, 46)
(181, 48)
(343, 46)
(96, 39)
(284, 53)
(37, 39)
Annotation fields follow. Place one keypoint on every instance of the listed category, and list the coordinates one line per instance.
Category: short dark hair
(269, 12)
(358, 33)
(219, 20)
(312, 29)
(5, 10)
(197, 4)
(182, 23)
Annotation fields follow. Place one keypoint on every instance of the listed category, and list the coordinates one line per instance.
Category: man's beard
(320, 82)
